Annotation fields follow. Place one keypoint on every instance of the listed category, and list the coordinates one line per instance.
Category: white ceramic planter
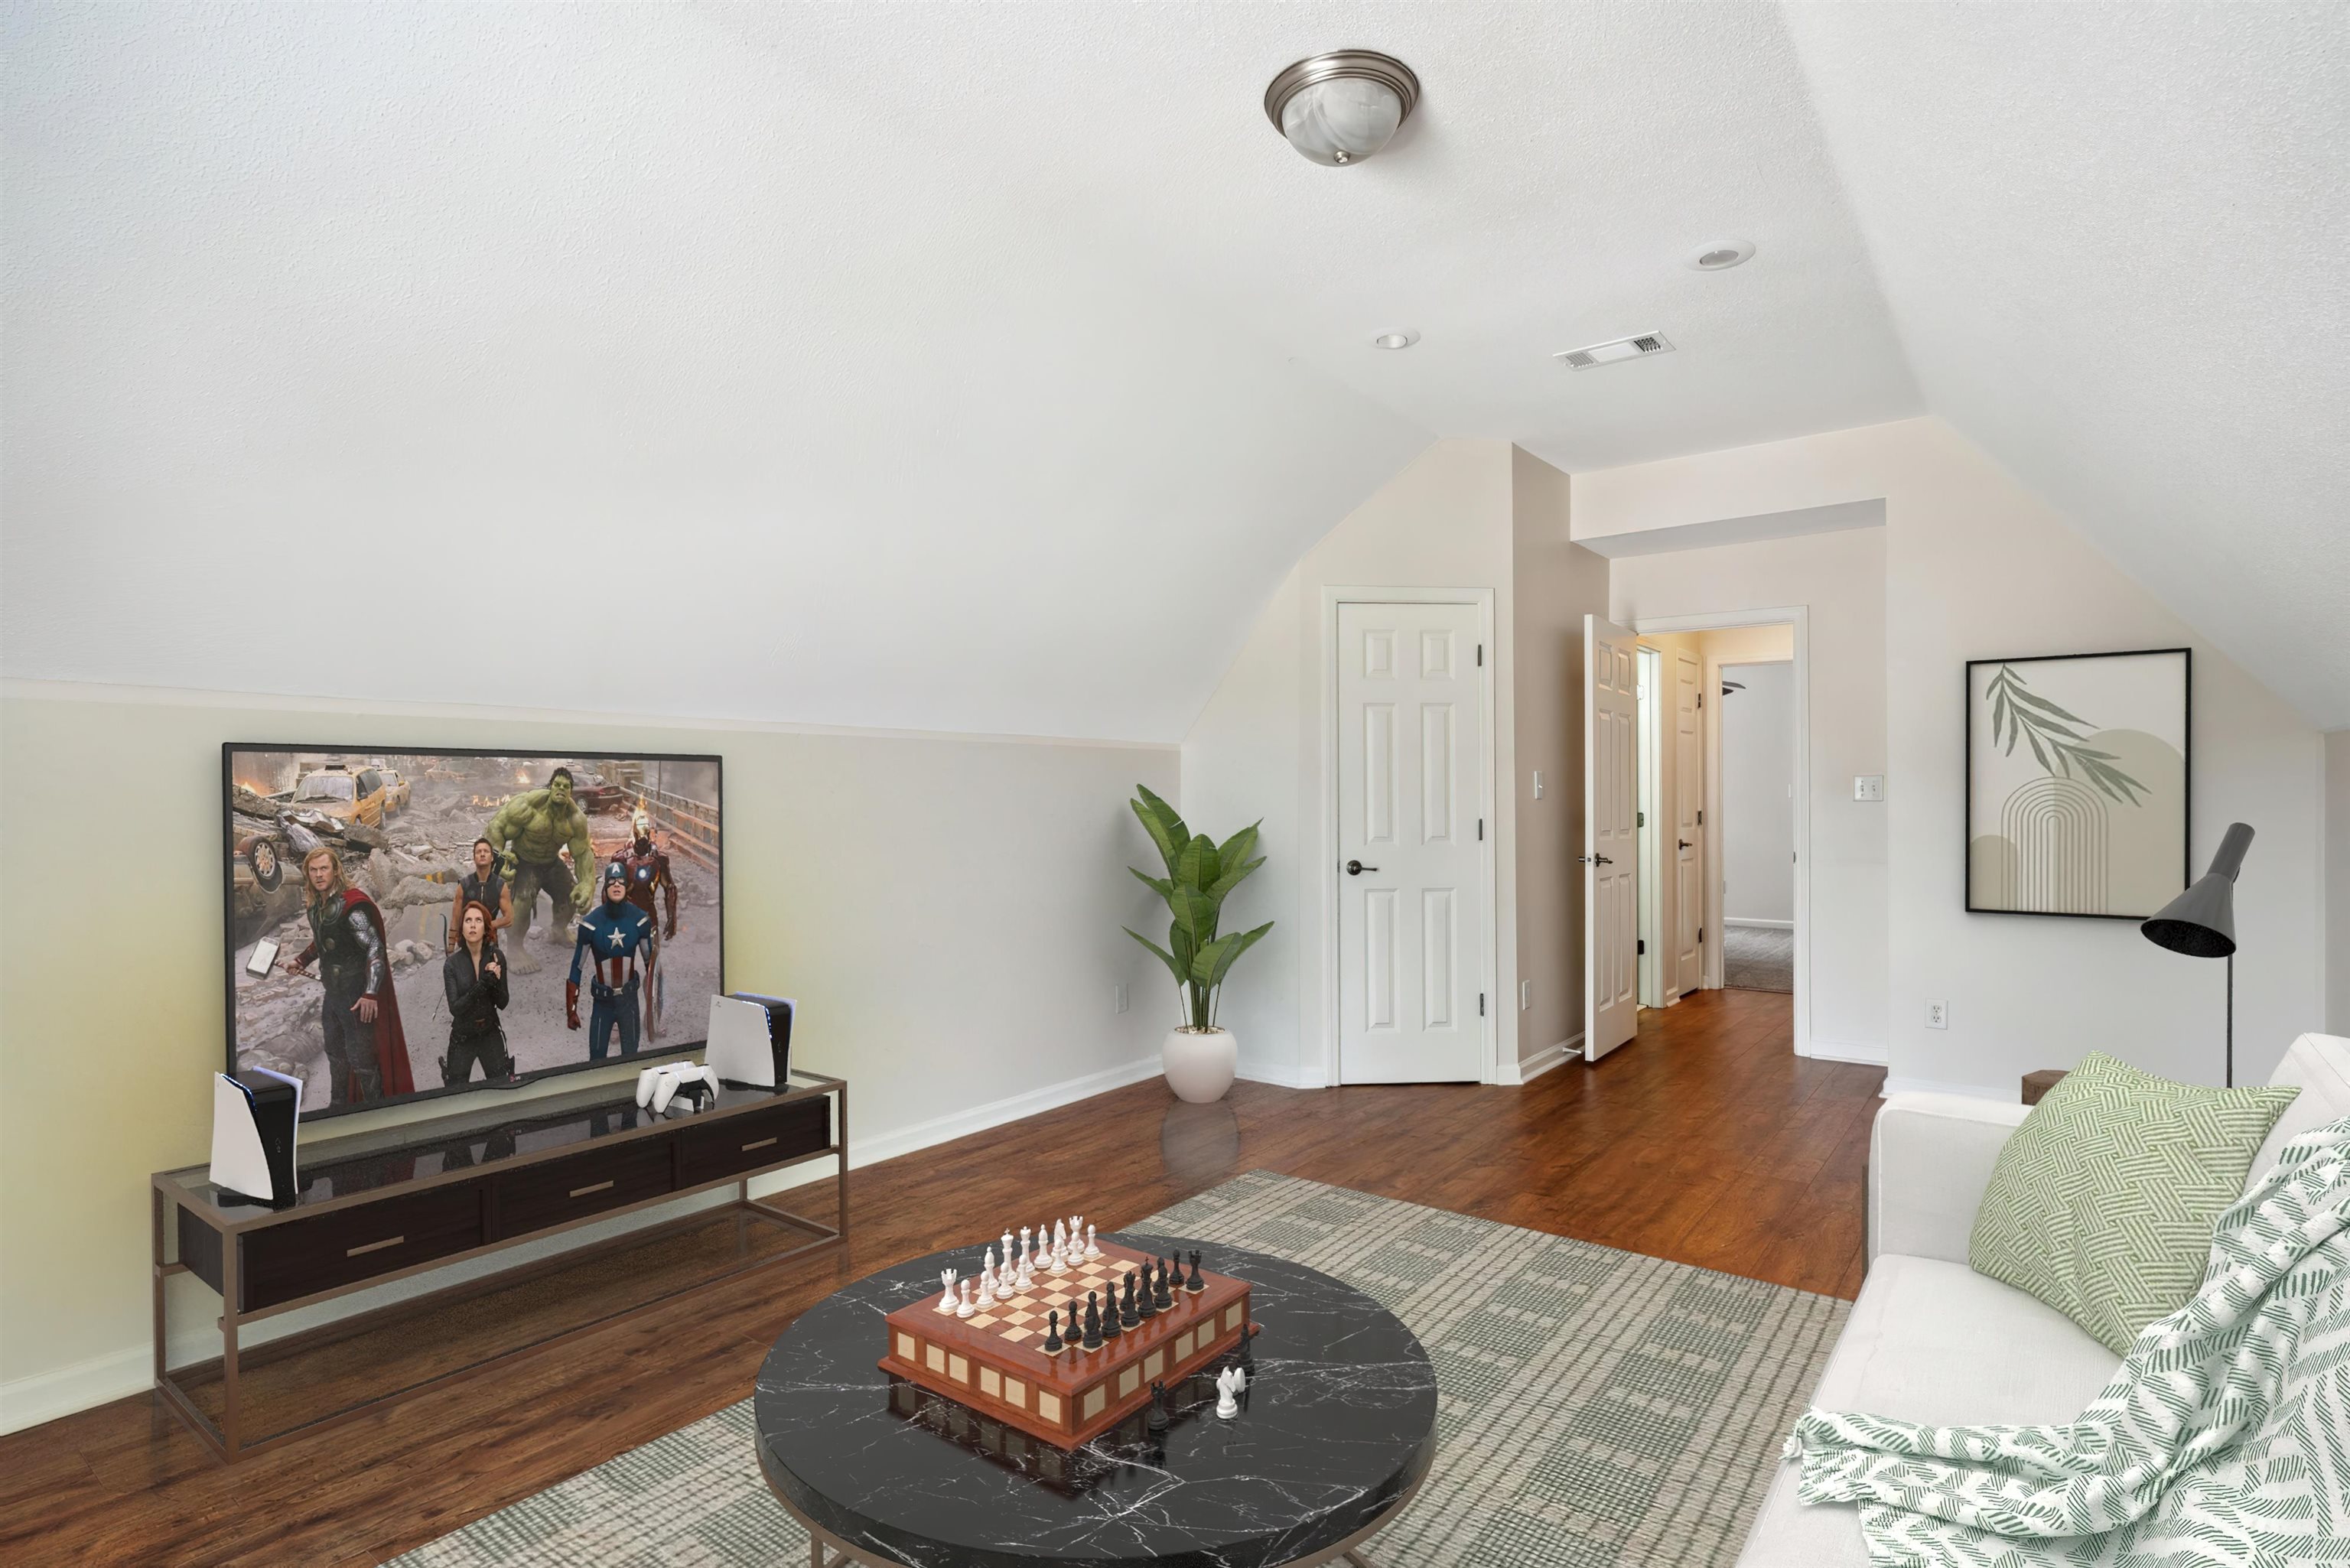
(1200, 1062)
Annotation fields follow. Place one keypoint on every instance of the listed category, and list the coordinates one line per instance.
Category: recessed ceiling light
(1722, 256)
(1395, 340)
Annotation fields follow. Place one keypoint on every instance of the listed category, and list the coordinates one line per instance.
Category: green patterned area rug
(1599, 1408)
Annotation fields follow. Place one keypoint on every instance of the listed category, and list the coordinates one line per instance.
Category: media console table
(380, 1206)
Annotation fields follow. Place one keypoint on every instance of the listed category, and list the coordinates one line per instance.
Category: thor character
(473, 978)
(367, 1054)
(484, 885)
(531, 832)
(648, 874)
(610, 939)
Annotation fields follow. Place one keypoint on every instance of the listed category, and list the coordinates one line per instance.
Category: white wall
(1557, 582)
(1976, 566)
(945, 908)
(1758, 804)
(1840, 580)
(1256, 749)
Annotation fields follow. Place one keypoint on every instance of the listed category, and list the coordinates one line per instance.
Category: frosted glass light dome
(1339, 109)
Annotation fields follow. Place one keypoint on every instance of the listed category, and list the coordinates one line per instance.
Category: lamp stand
(2231, 1021)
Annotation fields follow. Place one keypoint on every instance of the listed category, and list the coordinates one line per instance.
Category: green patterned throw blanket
(2225, 1439)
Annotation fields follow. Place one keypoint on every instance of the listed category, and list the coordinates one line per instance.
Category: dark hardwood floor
(1705, 1140)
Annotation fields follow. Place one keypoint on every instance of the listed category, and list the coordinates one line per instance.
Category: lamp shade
(2201, 921)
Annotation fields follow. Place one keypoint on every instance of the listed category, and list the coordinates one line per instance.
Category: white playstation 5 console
(751, 1040)
(253, 1133)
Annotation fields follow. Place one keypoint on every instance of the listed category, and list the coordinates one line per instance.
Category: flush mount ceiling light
(1395, 340)
(1340, 107)
(1722, 256)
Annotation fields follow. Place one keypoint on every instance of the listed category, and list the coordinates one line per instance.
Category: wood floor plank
(1704, 1139)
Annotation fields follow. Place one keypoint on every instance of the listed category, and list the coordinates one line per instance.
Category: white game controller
(657, 1086)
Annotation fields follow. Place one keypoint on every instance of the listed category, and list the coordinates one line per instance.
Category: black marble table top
(1338, 1426)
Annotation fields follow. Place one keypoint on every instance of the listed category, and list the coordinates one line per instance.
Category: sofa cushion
(2102, 1202)
(2319, 1066)
(1933, 1342)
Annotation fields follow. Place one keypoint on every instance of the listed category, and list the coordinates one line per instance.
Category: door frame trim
(1798, 617)
(1488, 804)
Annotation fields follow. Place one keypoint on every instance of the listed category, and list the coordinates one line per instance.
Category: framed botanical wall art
(2077, 773)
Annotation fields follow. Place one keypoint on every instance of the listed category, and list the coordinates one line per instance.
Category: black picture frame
(552, 755)
(1967, 804)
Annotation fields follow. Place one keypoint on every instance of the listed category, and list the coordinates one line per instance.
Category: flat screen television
(352, 877)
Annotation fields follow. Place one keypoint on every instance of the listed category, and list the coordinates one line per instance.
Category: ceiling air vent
(1622, 348)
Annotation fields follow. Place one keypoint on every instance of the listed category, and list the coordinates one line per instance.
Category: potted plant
(1199, 1058)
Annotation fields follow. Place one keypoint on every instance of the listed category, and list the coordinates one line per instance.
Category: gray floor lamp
(2201, 921)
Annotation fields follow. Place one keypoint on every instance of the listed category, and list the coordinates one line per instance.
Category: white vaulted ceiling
(983, 367)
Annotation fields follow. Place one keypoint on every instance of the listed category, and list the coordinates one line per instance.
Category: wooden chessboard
(994, 1360)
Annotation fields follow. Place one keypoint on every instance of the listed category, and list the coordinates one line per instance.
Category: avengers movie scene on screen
(401, 923)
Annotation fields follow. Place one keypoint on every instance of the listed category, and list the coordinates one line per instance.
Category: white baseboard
(1893, 1085)
(85, 1385)
(1846, 1050)
(1528, 1068)
(1759, 925)
(1294, 1077)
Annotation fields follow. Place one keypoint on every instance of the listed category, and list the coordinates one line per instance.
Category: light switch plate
(1868, 787)
(1119, 1006)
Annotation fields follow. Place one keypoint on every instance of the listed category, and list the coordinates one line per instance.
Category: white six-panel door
(1411, 872)
(1611, 844)
(1688, 823)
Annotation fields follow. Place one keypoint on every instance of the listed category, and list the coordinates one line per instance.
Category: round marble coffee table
(1338, 1432)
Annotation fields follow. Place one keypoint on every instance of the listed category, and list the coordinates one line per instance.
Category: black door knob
(1355, 867)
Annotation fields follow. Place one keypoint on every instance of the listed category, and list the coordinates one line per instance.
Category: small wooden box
(993, 1361)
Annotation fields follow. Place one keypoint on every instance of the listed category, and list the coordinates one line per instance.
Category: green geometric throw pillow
(2102, 1202)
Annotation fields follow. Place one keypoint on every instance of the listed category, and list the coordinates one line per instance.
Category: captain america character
(614, 937)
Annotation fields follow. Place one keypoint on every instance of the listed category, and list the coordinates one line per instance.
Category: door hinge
(1701, 698)
(1481, 830)
(1701, 935)
(1481, 655)
(1639, 820)
(1640, 947)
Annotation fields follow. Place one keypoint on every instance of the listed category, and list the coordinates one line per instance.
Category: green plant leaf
(2038, 751)
(1195, 914)
(1234, 874)
(1160, 820)
(1231, 948)
(1197, 867)
(1159, 884)
(1204, 962)
(1182, 976)
(2024, 695)
(1239, 846)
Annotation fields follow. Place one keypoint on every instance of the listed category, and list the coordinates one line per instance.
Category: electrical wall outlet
(1938, 1015)
(1525, 994)
(1868, 787)
(1119, 1004)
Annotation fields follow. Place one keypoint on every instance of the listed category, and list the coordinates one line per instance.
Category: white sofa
(1931, 1340)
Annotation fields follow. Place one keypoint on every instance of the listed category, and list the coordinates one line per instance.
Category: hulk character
(530, 833)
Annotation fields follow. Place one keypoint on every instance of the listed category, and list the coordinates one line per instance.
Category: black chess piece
(1248, 1351)
(1195, 1284)
(1159, 1297)
(1158, 1424)
(1126, 1315)
(1053, 1343)
(1093, 1340)
(1143, 1306)
(1111, 1327)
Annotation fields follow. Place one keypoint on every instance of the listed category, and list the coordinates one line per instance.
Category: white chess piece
(1240, 1380)
(986, 1296)
(1010, 1262)
(947, 1302)
(964, 1308)
(1026, 1254)
(1093, 1248)
(1227, 1406)
(1055, 1261)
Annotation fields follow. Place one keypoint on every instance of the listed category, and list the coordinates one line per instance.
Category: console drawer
(538, 1197)
(753, 1140)
(301, 1257)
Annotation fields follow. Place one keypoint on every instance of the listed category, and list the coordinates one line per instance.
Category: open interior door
(1611, 860)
